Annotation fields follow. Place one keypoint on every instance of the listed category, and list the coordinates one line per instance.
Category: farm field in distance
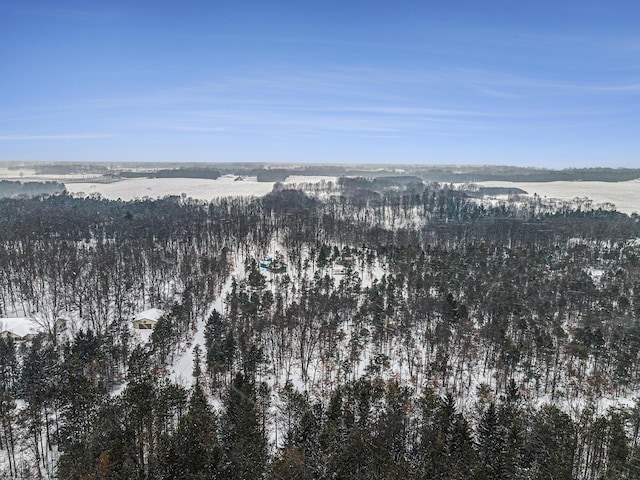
(624, 195)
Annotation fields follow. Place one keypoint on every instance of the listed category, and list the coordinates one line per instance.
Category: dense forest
(417, 331)
(13, 189)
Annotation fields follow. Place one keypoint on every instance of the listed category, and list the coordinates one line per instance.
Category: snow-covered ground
(197, 188)
(293, 179)
(16, 173)
(182, 368)
(26, 174)
(624, 195)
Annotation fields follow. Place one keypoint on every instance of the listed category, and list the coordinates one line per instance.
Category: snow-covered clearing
(25, 174)
(197, 188)
(297, 179)
(624, 195)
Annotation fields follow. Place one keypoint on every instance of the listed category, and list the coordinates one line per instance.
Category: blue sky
(552, 84)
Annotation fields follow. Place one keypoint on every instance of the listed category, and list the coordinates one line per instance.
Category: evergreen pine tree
(192, 452)
(243, 439)
(490, 442)
(617, 447)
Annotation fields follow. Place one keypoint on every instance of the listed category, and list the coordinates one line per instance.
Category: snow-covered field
(16, 174)
(25, 174)
(197, 188)
(293, 179)
(624, 195)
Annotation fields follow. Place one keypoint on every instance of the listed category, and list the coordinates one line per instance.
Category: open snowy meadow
(624, 195)
(199, 189)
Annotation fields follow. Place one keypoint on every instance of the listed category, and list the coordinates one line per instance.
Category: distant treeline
(266, 172)
(446, 175)
(360, 185)
(262, 174)
(69, 168)
(379, 184)
(208, 173)
(534, 175)
(492, 191)
(272, 175)
(9, 189)
(281, 174)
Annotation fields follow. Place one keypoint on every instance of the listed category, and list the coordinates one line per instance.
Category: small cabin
(339, 269)
(147, 320)
(273, 265)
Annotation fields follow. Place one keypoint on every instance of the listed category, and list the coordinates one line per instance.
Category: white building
(147, 320)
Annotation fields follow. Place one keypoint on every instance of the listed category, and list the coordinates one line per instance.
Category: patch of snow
(595, 274)
(196, 188)
(624, 195)
(143, 336)
(151, 314)
(199, 189)
(20, 326)
(295, 179)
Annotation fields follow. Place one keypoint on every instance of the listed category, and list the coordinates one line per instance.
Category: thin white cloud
(63, 13)
(345, 100)
(411, 111)
(487, 79)
(29, 138)
(349, 121)
(402, 90)
(199, 129)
